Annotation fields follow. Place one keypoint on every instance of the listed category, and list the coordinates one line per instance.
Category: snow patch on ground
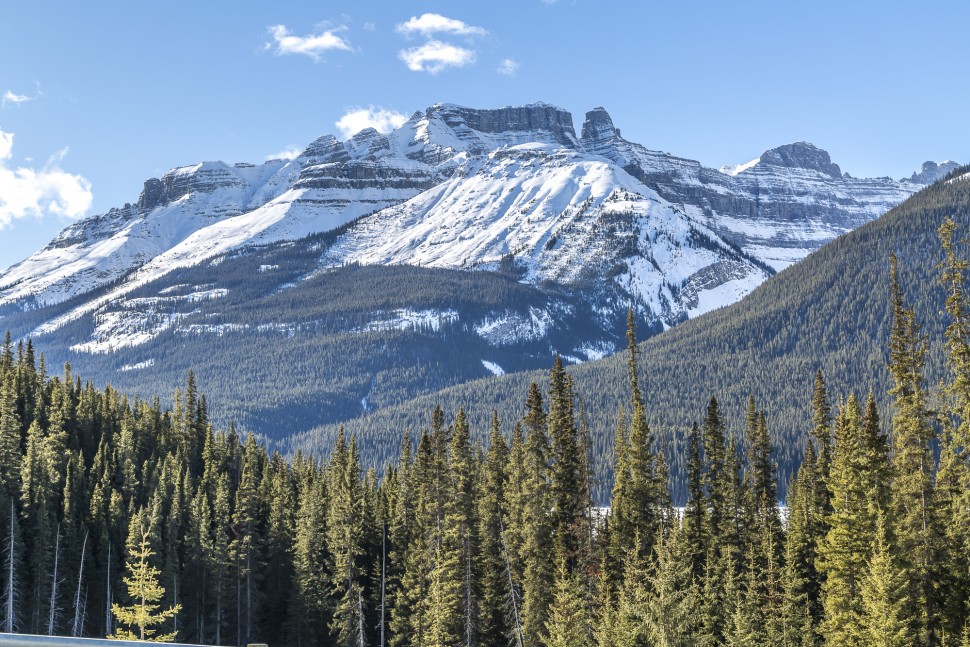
(493, 368)
(596, 350)
(511, 328)
(738, 168)
(148, 363)
(725, 294)
(406, 319)
(131, 322)
(210, 329)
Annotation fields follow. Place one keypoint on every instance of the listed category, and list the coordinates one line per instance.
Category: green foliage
(466, 544)
(145, 592)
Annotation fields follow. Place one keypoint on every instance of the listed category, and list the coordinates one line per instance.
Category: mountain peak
(930, 172)
(325, 147)
(801, 155)
(204, 177)
(598, 126)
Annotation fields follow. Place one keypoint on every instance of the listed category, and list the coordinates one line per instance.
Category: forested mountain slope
(831, 311)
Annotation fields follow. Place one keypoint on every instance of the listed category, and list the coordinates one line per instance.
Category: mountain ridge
(595, 224)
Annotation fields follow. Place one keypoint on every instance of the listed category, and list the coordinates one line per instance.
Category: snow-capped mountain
(595, 217)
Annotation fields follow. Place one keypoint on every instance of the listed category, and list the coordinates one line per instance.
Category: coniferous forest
(462, 543)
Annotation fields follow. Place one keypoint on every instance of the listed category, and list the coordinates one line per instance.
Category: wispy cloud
(435, 56)
(429, 24)
(39, 192)
(380, 119)
(508, 67)
(288, 153)
(312, 45)
(11, 97)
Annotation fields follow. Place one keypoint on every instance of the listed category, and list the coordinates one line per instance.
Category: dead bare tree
(512, 595)
(78, 625)
(55, 584)
(12, 590)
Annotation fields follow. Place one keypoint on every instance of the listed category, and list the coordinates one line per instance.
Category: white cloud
(10, 97)
(288, 153)
(432, 23)
(508, 67)
(369, 26)
(31, 192)
(435, 56)
(312, 45)
(380, 119)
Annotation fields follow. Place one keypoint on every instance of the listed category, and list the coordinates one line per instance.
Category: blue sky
(97, 97)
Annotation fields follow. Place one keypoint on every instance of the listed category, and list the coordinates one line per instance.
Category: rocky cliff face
(779, 207)
(930, 172)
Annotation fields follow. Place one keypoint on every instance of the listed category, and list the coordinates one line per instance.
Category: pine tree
(673, 596)
(39, 480)
(244, 548)
(695, 512)
(631, 625)
(854, 485)
(884, 597)
(9, 436)
(566, 473)
(281, 501)
(13, 550)
(409, 621)
(718, 476)
(145, 592)
(569, 623)
(345, 530)
(821, 435)
(953, 479)
(401, 536)
(537, 531)
(802, 581)
(914, 506)
(311, 581)
(640, 496)
(454, 584)
(494, 627)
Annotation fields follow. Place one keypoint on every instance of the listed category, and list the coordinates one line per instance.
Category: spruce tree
(569, 623)
(409, 620)
(9, 436)
(494, 628)
(854, 486)
(821, 435)
(914, 507)
(401, 537)
(884, 598)
(695, 512)
(344, 531)
(39, 481)
(245, 518)
(802, 580)
(138, 620)
(566, 472)
(454, 591)
(673, 596)
(537, 530)
(953, 479)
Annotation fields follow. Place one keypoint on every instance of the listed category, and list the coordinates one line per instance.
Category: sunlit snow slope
(460, 188)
